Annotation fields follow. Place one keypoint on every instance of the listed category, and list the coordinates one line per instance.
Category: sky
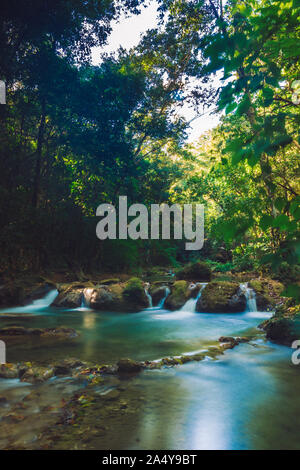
(127, 33)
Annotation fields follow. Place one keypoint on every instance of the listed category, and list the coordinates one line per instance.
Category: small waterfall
(161, 303)
(83, 301)
(190, 305)
(44, 301)
(37, 304)
(149, 297)
(84, 305)
(250, 297)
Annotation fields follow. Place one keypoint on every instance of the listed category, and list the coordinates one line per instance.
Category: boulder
(9, 371)
(221, 297)
(22, 291)
(134, 295)
(108, 282)
(129, 297)
(179, 295)
(198, 271)
(69, 297)
(284, 326)
(43, 332)
(128, 366)
(37, 374)
(66, 366)
(100, 298)
(157, 294)
(39, 291)
(267, 293)
(194, 289)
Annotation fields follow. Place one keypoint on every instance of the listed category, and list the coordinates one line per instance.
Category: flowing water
(235, 402)
(190, 305)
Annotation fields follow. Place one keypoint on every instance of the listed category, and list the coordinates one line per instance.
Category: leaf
(280, 203)
(244, 106)
(266, 222)
(292, 290)
(268, 95)
(282, 222)
(230, 107)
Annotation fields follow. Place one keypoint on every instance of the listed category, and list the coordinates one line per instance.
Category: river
(249, 398)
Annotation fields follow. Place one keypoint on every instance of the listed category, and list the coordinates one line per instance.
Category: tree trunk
(37, 174)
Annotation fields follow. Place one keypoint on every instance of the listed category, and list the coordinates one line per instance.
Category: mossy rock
(284, 326)
(59, 332)
(128, 366)
(37, 374)
(68, 297)
(198, 271)
(9, 371)
(179, 295)
(221, 297)
(267, 292)
(108, 282)
(157, 294)
(134, 293)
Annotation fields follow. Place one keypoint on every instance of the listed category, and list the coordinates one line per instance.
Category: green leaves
(268, 95)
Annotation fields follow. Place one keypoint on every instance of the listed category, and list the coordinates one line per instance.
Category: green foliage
(220, 267)
(198, 271)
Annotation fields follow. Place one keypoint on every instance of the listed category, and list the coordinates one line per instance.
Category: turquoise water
(106, 337)
(247, 399)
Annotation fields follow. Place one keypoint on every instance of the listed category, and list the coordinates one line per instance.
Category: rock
(170, 361)
(243, 339)
(100, 298)
(40, 291)
(267, 292)
(37, 374)
(66, 366)
(228, 342)
(157, 294)
(221, 297)
(9, 371)
(227, 339)
(134, 294)
(128, 366)
(194, 289)
(68, 298)
(127, 297)
(179, 295)
(23, 290)
(198, 271)
(284, 326)
(43, 332)
(108, 282)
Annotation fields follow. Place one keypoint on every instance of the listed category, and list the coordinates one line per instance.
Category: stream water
(235, 402)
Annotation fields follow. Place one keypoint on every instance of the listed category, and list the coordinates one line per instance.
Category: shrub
(198, 271)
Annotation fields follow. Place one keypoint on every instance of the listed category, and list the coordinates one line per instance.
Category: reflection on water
(105, 337)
